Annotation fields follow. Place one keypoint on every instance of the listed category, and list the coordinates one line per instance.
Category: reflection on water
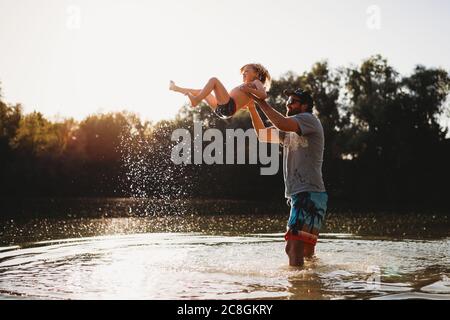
(200, 266)
(110, 249)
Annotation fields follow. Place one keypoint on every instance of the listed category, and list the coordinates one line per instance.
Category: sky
(72, 58)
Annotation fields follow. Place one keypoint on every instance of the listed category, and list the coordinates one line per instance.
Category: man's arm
(281, 122)
(256, 89)
(269, 135)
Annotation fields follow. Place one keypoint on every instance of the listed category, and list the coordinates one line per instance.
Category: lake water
(222, 257)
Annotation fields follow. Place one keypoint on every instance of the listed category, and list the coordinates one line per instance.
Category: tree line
(384, 144)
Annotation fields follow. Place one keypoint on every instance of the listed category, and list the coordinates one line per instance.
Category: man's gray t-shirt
(303, 156)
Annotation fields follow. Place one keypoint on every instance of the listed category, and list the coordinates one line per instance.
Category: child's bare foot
(172, 86)
(194, 101)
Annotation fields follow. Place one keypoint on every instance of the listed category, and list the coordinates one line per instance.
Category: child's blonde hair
(263, 74)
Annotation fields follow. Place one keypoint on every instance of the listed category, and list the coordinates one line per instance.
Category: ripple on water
(442, 286)
(197, 266)
(413, 296)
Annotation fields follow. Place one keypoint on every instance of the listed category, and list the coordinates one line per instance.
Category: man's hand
(247, 87)
(256, 99)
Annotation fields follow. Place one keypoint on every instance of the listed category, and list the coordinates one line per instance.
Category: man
(301, 134)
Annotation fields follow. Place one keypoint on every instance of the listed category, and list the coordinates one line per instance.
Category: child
(256, 80)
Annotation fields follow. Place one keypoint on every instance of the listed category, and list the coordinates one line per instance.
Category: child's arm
(255, 88)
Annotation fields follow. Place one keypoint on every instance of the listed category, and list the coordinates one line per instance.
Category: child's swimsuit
(226, 111)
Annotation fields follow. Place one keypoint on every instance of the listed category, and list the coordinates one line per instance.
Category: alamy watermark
(374, 17)
(374, 280)
(189, 150)
(73, 21)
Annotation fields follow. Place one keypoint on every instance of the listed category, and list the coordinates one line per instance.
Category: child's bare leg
(210, 99)
(222, 96)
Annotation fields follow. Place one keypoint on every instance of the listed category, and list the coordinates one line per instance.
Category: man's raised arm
(281, 122)
(269, 135)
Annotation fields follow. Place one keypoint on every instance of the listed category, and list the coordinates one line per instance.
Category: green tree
(391, 117)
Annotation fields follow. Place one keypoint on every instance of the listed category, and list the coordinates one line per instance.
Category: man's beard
(293, 112)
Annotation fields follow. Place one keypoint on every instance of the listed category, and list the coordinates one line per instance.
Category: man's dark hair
(303, 96)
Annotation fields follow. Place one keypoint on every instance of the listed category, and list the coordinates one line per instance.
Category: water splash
(150, 176)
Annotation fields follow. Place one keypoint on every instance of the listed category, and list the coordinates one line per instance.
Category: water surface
(191, 256)
(196, 266)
